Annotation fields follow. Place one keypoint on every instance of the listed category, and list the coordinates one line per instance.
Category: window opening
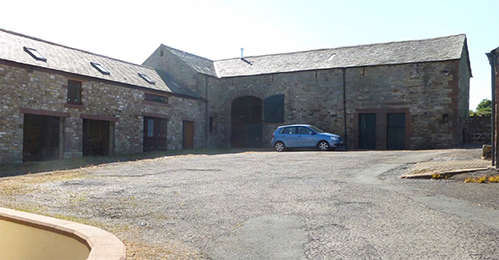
(274, 109)
(156, 98)
(100, 68)
(150, 127)
(331, 56)
(74, 92)
(35, 54)
(210, 124)
(146, 78)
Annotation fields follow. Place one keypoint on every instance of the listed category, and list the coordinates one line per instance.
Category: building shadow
(15, 169)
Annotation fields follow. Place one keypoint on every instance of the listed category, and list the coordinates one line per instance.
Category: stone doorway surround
(381, 130)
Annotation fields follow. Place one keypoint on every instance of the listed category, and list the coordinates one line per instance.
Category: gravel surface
(268, 205)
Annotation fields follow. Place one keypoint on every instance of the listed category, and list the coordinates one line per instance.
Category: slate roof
(175, 86)
(200, 64)
(428, 50)
(75, 61)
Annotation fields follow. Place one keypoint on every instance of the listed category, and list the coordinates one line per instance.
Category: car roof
(295, 125)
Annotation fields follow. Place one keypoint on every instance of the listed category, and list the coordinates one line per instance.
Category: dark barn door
(395, 131)
(40, 137)
(367, 131)
(154, 134)
(95, 137)
(253, 135)
(246, 127)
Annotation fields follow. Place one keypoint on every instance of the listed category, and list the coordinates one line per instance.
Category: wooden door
(95, 137)
(395, 139)
(188, 140)
(367, 131)
(155, 134)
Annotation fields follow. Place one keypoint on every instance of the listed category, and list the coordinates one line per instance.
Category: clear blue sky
(217, 29)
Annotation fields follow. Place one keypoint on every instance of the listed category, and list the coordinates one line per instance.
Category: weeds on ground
(437, 176)
(24, 184)
(494, 179)
(483, 179)
(170, 250)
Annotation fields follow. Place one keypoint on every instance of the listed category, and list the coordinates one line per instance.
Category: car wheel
(323, 146)
(280, 147)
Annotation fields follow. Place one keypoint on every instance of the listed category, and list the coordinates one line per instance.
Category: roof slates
(75, 61)
(436, 49)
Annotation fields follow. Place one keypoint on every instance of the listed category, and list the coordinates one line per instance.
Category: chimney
(242, 56)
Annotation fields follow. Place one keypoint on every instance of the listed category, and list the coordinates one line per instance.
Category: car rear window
(316, 129)
(288, 130)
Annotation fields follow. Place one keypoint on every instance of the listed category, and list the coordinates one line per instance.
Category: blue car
(304, 136)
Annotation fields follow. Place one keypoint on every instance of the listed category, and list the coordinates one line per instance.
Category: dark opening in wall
(246, 125)
(210, 124)
(95, 137)
(445, 118)
(40, 138)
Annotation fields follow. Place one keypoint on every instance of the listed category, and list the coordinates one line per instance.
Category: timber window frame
(156, 98)
(74, 92)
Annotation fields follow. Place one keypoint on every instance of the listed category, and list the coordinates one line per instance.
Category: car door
(289, 136)
(305, 137)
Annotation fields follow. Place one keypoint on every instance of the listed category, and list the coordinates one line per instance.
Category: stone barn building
(398, 95)
(61, 102)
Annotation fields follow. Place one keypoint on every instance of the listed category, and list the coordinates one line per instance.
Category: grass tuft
(436, 176)
(483, 179)
(494, 179)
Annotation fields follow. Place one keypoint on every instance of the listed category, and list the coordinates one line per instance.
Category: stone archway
(246, 122)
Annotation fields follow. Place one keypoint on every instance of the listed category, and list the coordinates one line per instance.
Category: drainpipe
(345, 140)
(207, 116)
(493, 61)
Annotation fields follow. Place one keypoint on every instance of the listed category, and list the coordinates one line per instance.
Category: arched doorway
(246, 118)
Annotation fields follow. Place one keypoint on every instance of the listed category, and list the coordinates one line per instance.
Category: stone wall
(433, 96)
(309, 97)
(480, 124)
(164, 60)
(24, 88)
(464, 94)
(426, 92)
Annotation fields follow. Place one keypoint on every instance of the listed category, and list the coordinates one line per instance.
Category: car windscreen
(316, 129)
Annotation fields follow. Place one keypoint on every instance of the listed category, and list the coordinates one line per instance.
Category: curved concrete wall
(29, 236)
